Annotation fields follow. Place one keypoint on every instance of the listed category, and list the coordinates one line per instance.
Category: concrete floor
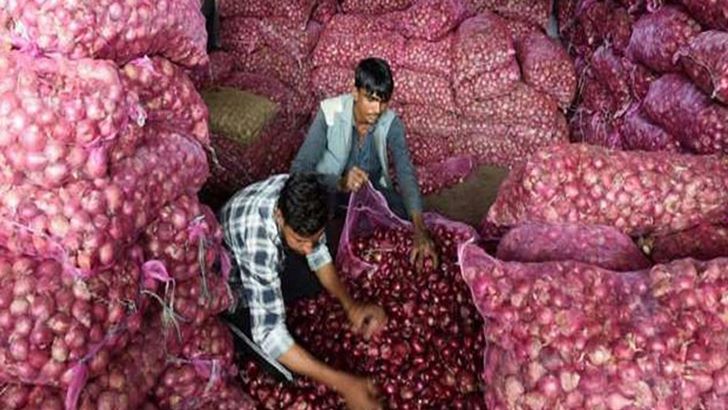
(469, 201)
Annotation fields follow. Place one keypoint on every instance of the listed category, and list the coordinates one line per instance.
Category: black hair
(375, 77)
(303, 204)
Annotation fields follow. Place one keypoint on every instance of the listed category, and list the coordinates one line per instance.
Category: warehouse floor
(469, 201)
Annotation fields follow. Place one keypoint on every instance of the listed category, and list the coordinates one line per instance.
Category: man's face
(368, 107)
(300, 244)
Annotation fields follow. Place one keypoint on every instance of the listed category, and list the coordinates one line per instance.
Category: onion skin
(531, 193)
(118, 32)
(637, 341)
(54, 321)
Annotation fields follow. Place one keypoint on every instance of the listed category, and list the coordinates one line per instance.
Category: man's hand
(360, 394)
(366, 319)
(353, 180)
(423, 248)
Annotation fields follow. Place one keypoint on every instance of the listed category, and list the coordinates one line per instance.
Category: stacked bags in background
(112, 271)
(458, 85)
(464, 100)
(653, 77)
(604, 325)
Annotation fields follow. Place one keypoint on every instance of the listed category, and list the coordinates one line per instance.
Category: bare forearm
(329, 278)
(302, 362)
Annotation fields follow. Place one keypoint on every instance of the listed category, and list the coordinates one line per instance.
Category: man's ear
(354, 92)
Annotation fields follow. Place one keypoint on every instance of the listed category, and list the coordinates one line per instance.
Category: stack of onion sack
(101, 164)
(186, 243)
(59, 329)
(476, 102)
(428, 354)
(639, 193)
(134, 373)
(677, 52)
(270, 43)
(118, 31)
(570, 335)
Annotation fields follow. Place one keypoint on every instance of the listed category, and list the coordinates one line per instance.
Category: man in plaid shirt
(276, 231)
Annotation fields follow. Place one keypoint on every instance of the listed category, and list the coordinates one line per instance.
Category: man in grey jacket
(350, 141)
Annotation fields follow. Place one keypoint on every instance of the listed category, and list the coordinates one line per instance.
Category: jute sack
(238, 114)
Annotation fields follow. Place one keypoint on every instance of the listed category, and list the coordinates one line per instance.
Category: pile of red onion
(428, 355)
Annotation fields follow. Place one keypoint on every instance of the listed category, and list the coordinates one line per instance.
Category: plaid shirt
(252, 235)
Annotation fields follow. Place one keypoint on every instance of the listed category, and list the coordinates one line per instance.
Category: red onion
(533, 192)
(411, 340)
(53, 322)
(120, 30)
(653, 353)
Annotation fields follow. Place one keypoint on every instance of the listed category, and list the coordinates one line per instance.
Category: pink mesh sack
(597, 245)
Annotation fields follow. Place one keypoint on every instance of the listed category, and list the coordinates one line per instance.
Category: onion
(616, 401)
(538, 182)
(415, 359)
(636, 357)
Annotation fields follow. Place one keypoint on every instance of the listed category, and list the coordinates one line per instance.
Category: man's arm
(313, 149)
(366, 319)
(358, 392)
(267, 313)
(269, 331)
(406, 176)
(423, 246)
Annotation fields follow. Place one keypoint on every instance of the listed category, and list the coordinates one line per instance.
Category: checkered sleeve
(258, 261)
(320, 255)
(265, 301)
